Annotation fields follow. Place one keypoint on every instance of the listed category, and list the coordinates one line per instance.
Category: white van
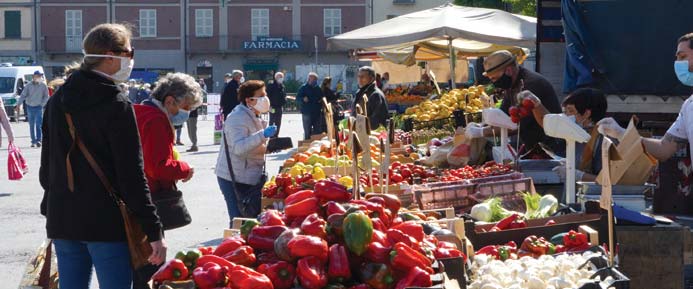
(12, 80)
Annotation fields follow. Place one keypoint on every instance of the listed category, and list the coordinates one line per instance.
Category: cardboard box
(631, 164)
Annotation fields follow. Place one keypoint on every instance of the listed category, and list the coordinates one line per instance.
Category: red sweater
(156, 133)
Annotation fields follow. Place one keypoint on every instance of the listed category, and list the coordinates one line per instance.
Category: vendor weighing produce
(502, 68)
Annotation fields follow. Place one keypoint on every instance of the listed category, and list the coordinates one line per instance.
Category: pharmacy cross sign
(271, 44)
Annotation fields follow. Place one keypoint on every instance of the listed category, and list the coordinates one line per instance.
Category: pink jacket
(5, 123)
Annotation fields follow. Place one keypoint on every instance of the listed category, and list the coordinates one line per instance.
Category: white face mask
(126, 65)
(262, 105)
(280, 80)
(242, 79)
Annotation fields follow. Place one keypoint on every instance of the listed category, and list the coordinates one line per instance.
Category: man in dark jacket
(277, 96)
(229, 98)
(376, 106)
(309, 99)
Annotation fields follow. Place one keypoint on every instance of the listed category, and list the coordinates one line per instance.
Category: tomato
(396, 178)
(406, 173)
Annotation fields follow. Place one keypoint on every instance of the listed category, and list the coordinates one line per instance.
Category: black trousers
(141, 277)
(276, 118)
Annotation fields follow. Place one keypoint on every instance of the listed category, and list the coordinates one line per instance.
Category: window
(13, 24)
(73, 30)
(333, 22)
(203, 23)
(259, 23)
(147, 22)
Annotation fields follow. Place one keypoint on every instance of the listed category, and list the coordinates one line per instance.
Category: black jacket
(376, 107)
(329, 95)
(105, 122)
(229, 98)
(276, 94)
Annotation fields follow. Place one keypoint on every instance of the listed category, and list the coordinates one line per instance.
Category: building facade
(17, 37)
(387, 9)
(209, 38)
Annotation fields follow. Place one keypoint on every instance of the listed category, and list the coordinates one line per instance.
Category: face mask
(180, 117)
(313, 82)
(505, 82)
(242, 79)
(280, 80)
(682, 73)
(262, 105)
(572, 118)
(126, 65)
(384, 82)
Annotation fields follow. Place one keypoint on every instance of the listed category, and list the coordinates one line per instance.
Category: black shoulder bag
(248, 198)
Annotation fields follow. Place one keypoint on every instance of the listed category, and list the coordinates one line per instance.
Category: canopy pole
(452, 63)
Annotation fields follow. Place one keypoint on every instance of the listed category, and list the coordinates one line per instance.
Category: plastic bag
(466, 152)
(439, 156)
(16, 165)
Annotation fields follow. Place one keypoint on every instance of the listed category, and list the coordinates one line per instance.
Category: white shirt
(683, 126)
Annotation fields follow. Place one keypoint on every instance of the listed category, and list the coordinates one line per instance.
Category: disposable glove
(270, 131)
(609, 127)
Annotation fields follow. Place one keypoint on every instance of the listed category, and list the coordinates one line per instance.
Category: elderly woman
(245, 136)
(83, 220)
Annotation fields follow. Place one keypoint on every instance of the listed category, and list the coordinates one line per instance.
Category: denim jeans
(76, 259)
(307, 126)
(229, 192)
(35, 115)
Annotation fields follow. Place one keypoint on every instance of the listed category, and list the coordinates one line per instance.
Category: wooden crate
(272, 203)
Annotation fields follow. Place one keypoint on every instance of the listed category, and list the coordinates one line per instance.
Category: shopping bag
(42, 270)
(635, 164)
(16, 165)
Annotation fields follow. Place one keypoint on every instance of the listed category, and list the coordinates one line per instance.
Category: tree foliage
(524, 7)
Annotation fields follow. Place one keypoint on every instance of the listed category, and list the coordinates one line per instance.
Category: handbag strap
(228, 159)
(90, 159)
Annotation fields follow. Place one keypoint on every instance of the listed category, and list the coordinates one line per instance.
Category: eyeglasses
(128, 53)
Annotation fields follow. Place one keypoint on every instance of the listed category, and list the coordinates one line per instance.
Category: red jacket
(156, 133)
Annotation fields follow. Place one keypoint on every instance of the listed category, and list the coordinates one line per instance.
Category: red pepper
(244, 255)
(442, 253)
(283, 181)
(267, 258)
(228, 245)
(242, 277)
(338, 268)
(574, 239)
(416, 277)
(281, 245)
(411, 228)
(446, 245)
(392, 202)
(298, 196)
(380, 237)
(361, 286)
(314, 225)
(505, 223)
(536, 246)
(517, 224)
(262, 238)
(311, 273)
(560, 249)
(214, 259)
(271, 218)
(395, 236)
(282, 274)
(304, 246)
(270, 191)
(334, 208)
(210, 275)
(303, 178)
(173, 270)
(206, 250)
(488, 250)
(403, 258)
(332, 191)
(302, 208)
(378, 224)
(293, 189)
(378, 253)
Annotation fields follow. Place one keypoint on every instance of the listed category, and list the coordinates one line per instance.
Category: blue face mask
(180, 117)
(682, 73)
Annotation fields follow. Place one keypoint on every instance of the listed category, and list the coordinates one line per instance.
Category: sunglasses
(128, 53)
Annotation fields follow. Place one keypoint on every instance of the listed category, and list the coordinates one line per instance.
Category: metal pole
(316, 53)
(452, 63)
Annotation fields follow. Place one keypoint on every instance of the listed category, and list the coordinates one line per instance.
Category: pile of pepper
(323, 239)
(534, 246)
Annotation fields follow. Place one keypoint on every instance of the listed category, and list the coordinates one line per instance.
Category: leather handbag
(138, 243)
(248, 198)
(171, 209)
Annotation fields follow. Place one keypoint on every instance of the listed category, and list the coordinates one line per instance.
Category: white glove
(609, 127)
(561, 172)
(526, 94)
(474, 130)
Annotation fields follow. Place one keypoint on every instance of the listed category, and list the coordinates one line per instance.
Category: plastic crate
(462, 195)
(410, 124)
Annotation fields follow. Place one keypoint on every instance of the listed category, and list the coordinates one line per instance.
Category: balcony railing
(237, 44)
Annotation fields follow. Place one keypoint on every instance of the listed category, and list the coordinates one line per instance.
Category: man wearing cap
(229, 98)
(36, 96)
(502, 69)
(309, 99)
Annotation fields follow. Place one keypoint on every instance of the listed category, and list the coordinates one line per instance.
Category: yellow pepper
(346, 181)
(318, 173)
(296, 171)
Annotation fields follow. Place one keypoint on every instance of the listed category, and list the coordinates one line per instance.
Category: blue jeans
(229, 192)
(76, 259)
(308, 128)
(35, 115)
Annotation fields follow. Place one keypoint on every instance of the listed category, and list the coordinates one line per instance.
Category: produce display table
(655, 256)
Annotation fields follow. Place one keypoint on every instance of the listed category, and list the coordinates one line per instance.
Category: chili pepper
(189, 258)
(358, 231)
(334, 225)
(378, 224)
(360, 286)
(332, 191)
(270, 191)
(206, 250)
(574, 239)
(242, 277)
(380, 237)
(338, 268)
(267, 258)
(378, 276)
(311, 273)
(298, 196)
(416, 277)
(283, 181)
(210, 275)
(262, 238)
(247, 227)
(411, 228)
(302, 208)
(442, 253)
(403, 258)
(228, 245)
(378, 253)
(173, 270)
(281, 245)
(282, 274)
(334, 208)
(395, 236)
(244, 255)
(504, 223)
(314, 225)
(560, 249)
(304, 246)
(271, 218)
(214, 259)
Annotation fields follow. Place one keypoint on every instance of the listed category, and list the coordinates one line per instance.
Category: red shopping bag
(16, 165)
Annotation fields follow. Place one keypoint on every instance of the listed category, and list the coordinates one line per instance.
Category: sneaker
(192, 149)
(33, 145)
(38, 144)
(179, 143)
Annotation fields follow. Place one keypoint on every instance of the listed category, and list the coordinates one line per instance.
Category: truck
(12, 81)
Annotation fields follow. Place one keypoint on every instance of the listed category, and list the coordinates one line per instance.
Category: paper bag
(635, 165)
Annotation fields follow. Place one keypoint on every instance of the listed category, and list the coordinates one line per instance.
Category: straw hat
(498, 60)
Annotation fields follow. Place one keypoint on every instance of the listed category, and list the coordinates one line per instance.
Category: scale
(497, 118)
(560, 126)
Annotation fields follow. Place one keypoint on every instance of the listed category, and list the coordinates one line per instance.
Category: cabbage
(481, 212)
